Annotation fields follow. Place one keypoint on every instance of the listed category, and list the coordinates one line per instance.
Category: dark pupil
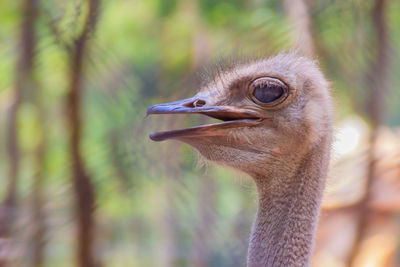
(268, 93)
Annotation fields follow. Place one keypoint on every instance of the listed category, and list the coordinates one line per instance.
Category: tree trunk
(378, 88)
(23, 82)
(299, 14)
(83, 187)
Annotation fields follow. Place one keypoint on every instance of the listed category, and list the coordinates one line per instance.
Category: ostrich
(277, 127)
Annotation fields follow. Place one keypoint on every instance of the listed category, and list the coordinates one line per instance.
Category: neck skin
(287, 217)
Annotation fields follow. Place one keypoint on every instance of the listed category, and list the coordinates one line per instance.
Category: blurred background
(81, 183)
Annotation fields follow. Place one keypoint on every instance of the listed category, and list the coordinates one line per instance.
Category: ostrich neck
(287, 216)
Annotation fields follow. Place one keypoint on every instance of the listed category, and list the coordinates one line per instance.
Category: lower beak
(230, 115)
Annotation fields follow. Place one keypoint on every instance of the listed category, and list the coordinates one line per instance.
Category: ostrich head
(273, 111)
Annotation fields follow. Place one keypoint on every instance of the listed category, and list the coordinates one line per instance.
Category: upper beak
(191, 105)
(230, 115)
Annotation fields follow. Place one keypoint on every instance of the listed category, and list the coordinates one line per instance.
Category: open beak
(229, 115)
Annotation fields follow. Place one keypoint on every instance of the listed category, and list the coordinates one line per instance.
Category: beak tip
(159, 109)
(153, 137)
(149, 110)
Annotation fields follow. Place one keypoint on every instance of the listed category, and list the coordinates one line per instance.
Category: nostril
(199, 103)
(195, 104)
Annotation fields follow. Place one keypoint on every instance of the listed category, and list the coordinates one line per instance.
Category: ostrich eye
(267, 90)
(268, 93)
